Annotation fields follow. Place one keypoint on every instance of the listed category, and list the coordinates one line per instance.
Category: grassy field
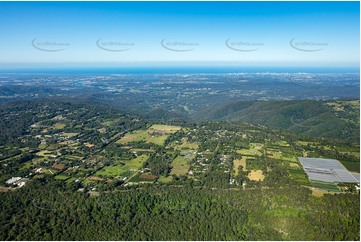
(254, 150)
(143, 150)
(71, 180)
(282, 143)
(25, 166)
(249, 152)
(62, 177)
(136, 163)
(355, 154)
(180, 165)
(255, 164)
(40, 176)
(68, 134)
(257, 146)
(329, 187)
(165, 179)
(279, 156)
(166, 128)
(256, 175)
(50, 171)
(143, 178)
(137, 135)
(58, 126)
(155, 134)
(158, 140)
(187, 145)
(351, 166)
(237, 163)
(118, 170)
(10, 158)
(107, 123)
(183, 146)
(111, 171)
(45, 153)
(294, 165)
(87, 182)
(42, 146)
(301, 178)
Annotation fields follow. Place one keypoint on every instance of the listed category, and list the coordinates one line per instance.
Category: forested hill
(328, 119)
(55, 211)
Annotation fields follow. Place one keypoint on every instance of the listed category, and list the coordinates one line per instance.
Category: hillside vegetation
(328, 119)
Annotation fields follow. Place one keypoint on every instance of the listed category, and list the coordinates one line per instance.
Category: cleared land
(58, 126)
(249, 152)
(185, 146)
(143, 178)
(254, 150)
(167, 128)
(294, 165)
(256, 175)
(120, 169)
(282, 143)
(62, 177)
(275, 154)
(142, 150)
(189, 145)
(180, 165)
(155, 134)
(237, 163)
(137, 135)
(45, 153)
(165, 179)
(318, 192)
(68, 134)
(108, 123)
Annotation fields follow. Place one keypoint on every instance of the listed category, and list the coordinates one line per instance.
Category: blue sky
(259, 33)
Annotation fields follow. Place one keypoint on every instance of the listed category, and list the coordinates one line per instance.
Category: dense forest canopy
(53, 211)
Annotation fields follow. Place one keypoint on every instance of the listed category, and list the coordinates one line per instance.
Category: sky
(324, 34)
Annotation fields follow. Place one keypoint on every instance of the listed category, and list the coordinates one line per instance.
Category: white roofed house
(17, 181)
(13, 180)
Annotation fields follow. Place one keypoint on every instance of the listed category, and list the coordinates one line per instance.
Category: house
(38, 170)
(17, 181)
(13, 180)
